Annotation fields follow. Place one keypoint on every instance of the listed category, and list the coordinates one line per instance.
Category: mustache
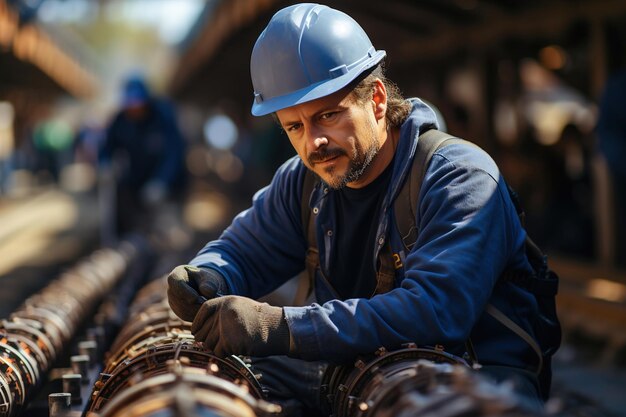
(324, 154)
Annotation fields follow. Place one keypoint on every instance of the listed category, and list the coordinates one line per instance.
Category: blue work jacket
(469, 233)
(153, 148)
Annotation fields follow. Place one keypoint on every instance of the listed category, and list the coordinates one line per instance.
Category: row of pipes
(155, 368)
(38, 333)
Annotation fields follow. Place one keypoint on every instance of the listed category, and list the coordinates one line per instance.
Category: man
(316, 71)
(146, 147)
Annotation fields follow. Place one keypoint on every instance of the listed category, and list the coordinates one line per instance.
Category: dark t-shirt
(352, 271)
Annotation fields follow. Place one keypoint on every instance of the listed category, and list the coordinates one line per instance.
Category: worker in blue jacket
(144, 144)
(316, 71)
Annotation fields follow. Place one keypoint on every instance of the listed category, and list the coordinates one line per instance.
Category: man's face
(137, 111)
(336, 137)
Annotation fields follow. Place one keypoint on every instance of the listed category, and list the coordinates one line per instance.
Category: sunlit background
(523, 79)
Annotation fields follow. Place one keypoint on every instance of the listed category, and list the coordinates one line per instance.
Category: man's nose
(320, 141)
(317, 137)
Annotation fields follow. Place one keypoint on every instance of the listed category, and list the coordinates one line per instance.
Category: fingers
(185, 310)
(206, 282)
(207, 289)
(205, 324)
(180, 273)
(208, 326)
(182, 292)
(182, 298)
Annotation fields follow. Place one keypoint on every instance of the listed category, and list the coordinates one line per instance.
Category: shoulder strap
(307, 189)
(405, 206)
(305, 284)
(497, 314)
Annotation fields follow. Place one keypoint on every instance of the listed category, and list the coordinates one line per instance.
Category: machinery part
(445, 390)
(41, 329)
(163, 355)
(18, 366)
(154, 366)
(307, 51)
(187, 392)
(417, 382)
(71, 385)
(345, 389)
(144, 328)
(52, 322)
(80, 366)
(59, 404)
(29, 340)
(13, 379)
(6, 398)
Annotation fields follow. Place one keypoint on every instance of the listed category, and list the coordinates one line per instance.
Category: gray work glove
(189, 286)
(234, 325)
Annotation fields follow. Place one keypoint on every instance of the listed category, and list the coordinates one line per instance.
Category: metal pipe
(154, 366)
(41, 329)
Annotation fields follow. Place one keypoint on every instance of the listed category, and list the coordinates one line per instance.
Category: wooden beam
(549, 21)
(228, 17)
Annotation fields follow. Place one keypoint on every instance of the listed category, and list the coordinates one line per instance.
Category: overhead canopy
(415, 33)
(31, 59)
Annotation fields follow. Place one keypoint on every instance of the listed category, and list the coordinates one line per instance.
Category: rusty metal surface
(42, 328)
(155, 367)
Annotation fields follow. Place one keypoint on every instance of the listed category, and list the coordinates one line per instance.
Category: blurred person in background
(315, 70)
(145, 150)
(611, 133)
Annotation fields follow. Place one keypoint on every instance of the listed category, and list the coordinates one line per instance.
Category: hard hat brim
(314, 91)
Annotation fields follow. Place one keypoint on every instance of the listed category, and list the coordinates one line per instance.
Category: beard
(360, 159)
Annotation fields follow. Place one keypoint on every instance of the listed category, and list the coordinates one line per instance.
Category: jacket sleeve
(468, 231)
(264, 246)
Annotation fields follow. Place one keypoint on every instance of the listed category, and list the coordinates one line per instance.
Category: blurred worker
(146, 150)
(611, 131)
(316, 70)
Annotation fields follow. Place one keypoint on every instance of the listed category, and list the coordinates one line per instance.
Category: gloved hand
(189, 286)
(234, 325)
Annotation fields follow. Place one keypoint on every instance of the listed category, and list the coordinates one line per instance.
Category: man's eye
(329, 115)
(294, 127)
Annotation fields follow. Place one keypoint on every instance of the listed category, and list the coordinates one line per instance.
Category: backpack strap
(305, 279)
(386, 271)
(405, 206)
(497, 314)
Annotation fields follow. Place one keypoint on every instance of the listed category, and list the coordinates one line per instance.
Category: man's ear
(379, 100)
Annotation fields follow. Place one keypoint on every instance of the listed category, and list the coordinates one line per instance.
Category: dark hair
(398, 108)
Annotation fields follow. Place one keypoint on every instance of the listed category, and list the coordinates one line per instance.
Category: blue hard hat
(135, 92)
(307, 51)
